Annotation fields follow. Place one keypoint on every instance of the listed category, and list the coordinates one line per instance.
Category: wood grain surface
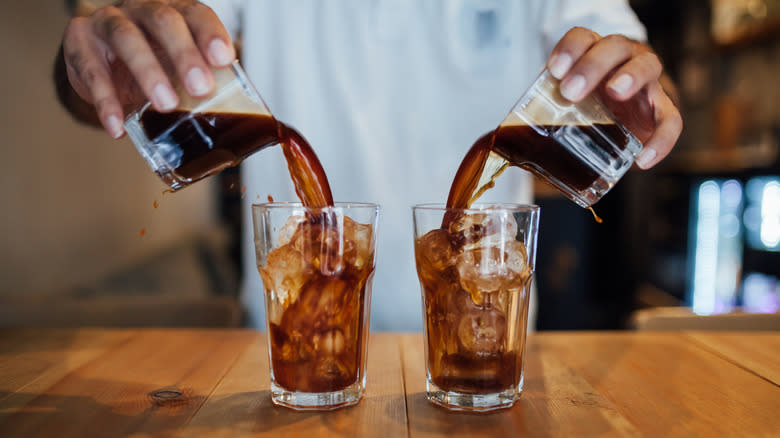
(182, 383)
(758, 352)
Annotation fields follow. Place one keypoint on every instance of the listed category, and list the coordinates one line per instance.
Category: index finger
(209, 34)
(570, 48)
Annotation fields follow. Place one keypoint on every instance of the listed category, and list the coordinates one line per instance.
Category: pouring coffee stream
(484, 163)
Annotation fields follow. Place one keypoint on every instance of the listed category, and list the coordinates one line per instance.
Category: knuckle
(589, 65)
(616, 39)
(619, 42)
(579, 30)
(68, 47)
(76, 63)
(71, 46)
(673, 121)
(644, 67)
(653, 58)
(105, 12)
(587, 35)
(653, 62)
(164, 16)
(577, 41)
(678, 121)
(191, 8)
(74, 59)
(140, 4)
(91, 77)
(117, 27)
(74, 27)
(582, 34)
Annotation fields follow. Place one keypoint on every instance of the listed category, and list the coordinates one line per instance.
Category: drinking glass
(475, 268)
(317, 267)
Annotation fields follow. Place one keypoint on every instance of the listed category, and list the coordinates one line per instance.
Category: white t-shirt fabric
(391, 94)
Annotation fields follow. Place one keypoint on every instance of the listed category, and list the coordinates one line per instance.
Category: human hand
(123, 54)
(626, 76)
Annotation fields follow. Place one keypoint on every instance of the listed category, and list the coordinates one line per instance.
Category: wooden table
(62, 383)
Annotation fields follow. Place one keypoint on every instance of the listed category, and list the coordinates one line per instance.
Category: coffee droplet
(595, 216)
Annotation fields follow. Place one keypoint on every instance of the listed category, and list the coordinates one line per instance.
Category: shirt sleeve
(229, 12)
(602, 16)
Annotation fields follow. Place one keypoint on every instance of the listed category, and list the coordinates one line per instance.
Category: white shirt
(391, 94)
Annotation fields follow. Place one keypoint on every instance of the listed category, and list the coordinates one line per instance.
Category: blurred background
(693, 243)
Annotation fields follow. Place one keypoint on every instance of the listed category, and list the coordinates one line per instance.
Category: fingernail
(645, 158)
(572, 87)
(164, 97)
(197, 82)
(220, 53)
(114, 126)
(560, 65)
(621, 84)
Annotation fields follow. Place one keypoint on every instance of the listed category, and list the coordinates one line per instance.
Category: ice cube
(469, 229)
(490, 269)
(333, 242)
(322, 246)
(283, 275)
(357, 238)
(435, 251)
(481, 271)
(331, 342)
(517, 269)
(324, 301)
(481, 332)
(289, 229)
(295, 348)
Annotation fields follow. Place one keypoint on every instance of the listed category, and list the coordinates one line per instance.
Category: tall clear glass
(475, 268)
(317, 267)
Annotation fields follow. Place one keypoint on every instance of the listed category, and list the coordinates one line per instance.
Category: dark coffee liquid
(536, 150)
(318, 345)
(466, 186)
(531, 148)
(203, 144)
(306, 171)
(477, 375)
